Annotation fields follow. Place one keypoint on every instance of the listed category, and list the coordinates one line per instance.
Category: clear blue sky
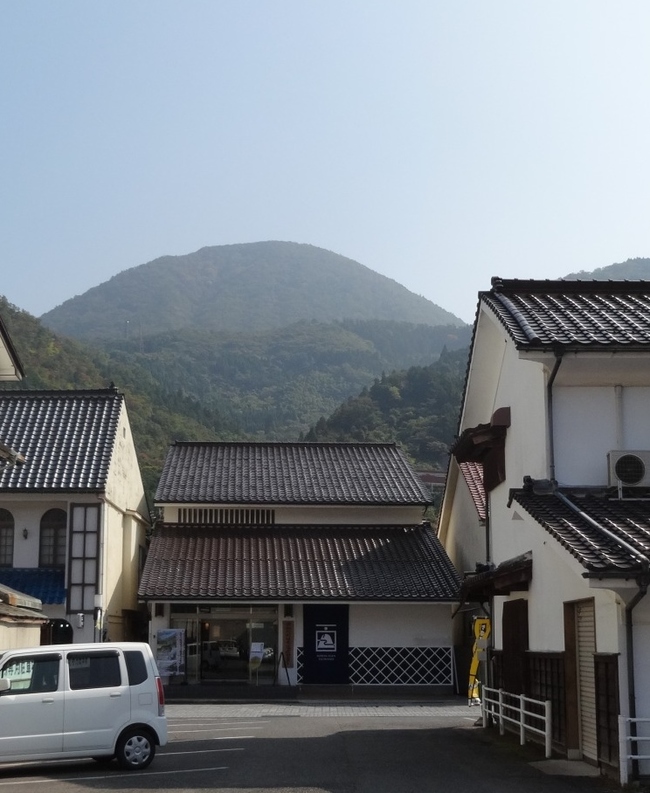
(437, 142)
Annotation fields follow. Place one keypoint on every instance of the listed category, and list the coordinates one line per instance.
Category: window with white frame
(52, 546)
(84, 558)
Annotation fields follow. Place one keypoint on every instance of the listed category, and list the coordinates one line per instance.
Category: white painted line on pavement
(204, 751)
(81, 779)
(174, 731)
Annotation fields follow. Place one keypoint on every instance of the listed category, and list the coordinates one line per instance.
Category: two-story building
(73, 512)
(547, 504)
(21, 616)
(305, 563)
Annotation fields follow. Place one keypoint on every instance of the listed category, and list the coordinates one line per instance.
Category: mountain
(198, 385)
(417, 407)
(274, 384)
(157, 416)
(240, 288)
(629, 270)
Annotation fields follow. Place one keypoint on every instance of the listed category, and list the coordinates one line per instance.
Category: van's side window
(135, 666)
(33, 674)
(94, 670)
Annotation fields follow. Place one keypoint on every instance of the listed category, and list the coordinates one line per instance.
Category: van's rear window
(94, 670)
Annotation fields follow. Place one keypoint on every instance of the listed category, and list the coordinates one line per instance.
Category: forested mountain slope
(240, 288)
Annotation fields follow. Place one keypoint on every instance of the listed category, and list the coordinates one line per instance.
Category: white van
(81, 700)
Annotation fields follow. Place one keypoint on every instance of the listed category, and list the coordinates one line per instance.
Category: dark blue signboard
(325, 645)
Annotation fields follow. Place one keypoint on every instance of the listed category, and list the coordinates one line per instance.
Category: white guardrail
(513, 711)
(628, 745)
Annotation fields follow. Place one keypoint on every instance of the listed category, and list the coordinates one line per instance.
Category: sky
(438, 143)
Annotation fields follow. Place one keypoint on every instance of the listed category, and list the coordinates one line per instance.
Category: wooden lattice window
(546, 681)
(7, 530)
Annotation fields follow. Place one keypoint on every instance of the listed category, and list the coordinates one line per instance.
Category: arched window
(6, 538)
(52, 550)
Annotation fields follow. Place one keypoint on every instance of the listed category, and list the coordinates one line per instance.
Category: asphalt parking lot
(320, 747)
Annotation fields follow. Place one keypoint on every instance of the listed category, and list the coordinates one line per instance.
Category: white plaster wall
(585, 430)
(592, 421)
(124, 484)
(641, 622)
(636, 427)
(557, 579)
(484, 370)
(125, 514)
(386, 516)
(522, 387)
(400, 625)
(27, 515)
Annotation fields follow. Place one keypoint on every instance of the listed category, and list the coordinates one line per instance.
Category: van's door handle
(115, 694)
(47, 700)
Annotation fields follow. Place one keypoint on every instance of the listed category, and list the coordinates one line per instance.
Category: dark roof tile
(289, 473)
(577, 529)
(298, 563)
(577, 314)
(66, 437)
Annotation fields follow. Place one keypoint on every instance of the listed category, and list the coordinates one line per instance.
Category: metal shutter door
(586, 628)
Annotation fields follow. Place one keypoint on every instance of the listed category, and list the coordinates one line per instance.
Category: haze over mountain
(352, 379)
(631, 270)
(247, 287)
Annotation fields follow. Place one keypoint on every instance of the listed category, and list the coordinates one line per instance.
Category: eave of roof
(513, 575)
(573, 315)
(577, 529)
(297, 563)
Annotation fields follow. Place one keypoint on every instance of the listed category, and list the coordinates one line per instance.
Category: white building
(555, 415)
(313, 555)
(73, 513)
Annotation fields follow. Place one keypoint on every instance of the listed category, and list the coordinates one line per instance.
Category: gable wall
(557, 579)
(460, 531)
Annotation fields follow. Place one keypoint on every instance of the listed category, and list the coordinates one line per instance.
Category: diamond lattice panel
(401, 666)
(396, 666)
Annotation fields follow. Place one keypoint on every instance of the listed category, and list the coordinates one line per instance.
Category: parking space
(314, 747)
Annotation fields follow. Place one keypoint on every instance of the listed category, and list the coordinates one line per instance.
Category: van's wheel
(135, 749)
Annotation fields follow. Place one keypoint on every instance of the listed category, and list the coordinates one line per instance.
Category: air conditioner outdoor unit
(629, 468)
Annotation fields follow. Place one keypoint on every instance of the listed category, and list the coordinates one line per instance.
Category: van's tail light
(161, 697)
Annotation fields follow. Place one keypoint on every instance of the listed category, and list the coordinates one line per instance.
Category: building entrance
(231, 644)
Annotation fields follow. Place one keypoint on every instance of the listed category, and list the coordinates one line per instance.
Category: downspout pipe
(642, 581)
(559, 357)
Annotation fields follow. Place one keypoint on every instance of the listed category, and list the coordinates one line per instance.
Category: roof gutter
(559, 357)
(642, 580)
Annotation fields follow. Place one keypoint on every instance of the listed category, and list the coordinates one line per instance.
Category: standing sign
(326, 644)
(170, 652)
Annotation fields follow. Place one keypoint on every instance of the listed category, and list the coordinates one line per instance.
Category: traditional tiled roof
(573, 314)
(66, 437)
(375, 563)
(290, 473)
(577, 527)
(44, 584)
(473, 475)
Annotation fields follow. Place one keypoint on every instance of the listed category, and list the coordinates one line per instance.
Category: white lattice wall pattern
(397, 666)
